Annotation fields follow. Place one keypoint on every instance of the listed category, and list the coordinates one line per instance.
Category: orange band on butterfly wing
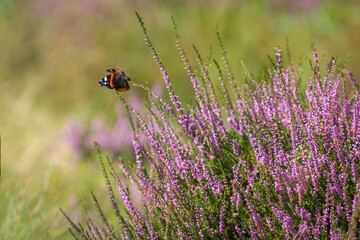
(111, 80)
(122, 89)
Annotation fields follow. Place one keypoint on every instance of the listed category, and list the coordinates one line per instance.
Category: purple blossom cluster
(80, 137)
(268, 162)
(114, 138)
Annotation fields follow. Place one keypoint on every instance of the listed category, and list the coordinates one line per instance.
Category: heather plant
(269, 161)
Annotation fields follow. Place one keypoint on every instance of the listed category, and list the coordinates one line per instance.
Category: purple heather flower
(352, 79)
(75, 136)
(284, 165)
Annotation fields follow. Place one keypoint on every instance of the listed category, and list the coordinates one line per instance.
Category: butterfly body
(117, 79)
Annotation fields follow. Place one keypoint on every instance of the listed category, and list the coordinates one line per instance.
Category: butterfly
(117, 79)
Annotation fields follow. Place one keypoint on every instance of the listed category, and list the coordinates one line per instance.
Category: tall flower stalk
(277, 163)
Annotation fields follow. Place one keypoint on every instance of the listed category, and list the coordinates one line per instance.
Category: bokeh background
(53, 53)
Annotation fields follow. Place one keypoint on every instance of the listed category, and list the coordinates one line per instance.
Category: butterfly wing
(113, 70)
(124, 76)
(121, 82)
(107, 81)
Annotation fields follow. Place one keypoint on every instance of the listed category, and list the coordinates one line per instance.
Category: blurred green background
(53, 53)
